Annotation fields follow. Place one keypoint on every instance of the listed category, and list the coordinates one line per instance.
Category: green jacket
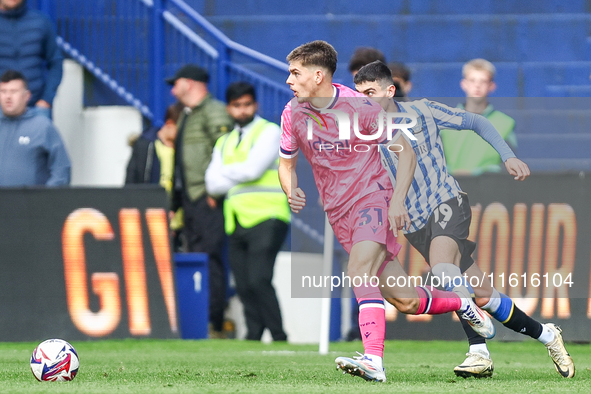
(467, 151)
(207, 122)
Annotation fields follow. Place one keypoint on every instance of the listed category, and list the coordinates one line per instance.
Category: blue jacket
(27, 44)
(32, 152)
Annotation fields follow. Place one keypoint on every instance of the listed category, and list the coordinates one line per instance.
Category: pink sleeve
(287, 146)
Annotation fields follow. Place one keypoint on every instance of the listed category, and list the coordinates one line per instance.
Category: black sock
(473, 337)
(523, 324)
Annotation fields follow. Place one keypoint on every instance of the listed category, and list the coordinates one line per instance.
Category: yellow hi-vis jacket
(251, 203)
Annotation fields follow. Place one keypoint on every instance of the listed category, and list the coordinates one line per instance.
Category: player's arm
(407, 162)
(459, 119)
(289, 183)
(485, 129)
(288, 151)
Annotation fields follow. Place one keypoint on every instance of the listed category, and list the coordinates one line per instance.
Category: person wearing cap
(202, 122)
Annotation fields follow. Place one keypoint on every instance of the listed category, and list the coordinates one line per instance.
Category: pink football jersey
(345, 170)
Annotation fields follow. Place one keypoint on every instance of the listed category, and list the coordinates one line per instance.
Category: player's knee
(408, 306)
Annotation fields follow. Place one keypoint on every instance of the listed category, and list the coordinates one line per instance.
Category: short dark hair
(174, 111)
(399, 70)
(12, 75)
(399, 92)
(239, 89)
(316, 53)
(374, 72)
(363, 56)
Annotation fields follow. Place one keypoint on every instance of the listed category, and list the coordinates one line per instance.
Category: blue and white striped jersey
(432, 185)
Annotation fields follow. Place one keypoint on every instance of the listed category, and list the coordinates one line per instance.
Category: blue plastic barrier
(192, 286)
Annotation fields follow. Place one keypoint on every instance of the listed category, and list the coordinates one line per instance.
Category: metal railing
(132, 45)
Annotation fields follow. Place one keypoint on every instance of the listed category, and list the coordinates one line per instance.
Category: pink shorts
(368, 221)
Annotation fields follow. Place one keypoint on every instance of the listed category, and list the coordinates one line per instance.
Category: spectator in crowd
(363, 56)
(244, 168)
(202, 122)
(401, 76)
(149, 153)
(366, 55)
(152, 161)
(465, 152)
(31, 149)
(28, 44)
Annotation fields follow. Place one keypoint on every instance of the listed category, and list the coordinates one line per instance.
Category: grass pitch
(218, 366)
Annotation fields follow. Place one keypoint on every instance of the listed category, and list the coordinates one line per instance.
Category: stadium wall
(96, 137)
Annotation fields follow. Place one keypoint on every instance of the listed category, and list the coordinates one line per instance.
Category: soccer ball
(54, 360)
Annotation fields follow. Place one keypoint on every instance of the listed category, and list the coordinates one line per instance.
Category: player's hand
(398, 216)
(297, 200)
(517, 168)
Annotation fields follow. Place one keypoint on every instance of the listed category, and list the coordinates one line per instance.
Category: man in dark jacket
(200, 125)
(31, 150)
(27, 44)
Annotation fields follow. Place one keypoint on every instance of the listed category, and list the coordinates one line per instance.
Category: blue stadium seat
(376, 7)
(539, 51)
(537, 76)
(422, 38)
(551, 122)
(557, 145)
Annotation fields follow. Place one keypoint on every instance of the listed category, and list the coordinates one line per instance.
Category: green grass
(175, 366)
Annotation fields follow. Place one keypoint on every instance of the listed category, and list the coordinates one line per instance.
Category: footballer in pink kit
(345, 171)
(363, 208)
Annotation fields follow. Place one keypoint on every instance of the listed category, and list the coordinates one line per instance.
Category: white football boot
(361, 366)
(478, 320)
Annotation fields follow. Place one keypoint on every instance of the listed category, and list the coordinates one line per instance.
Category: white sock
(547, 335)
(494, 302)
(377, 360)
(480, 348)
